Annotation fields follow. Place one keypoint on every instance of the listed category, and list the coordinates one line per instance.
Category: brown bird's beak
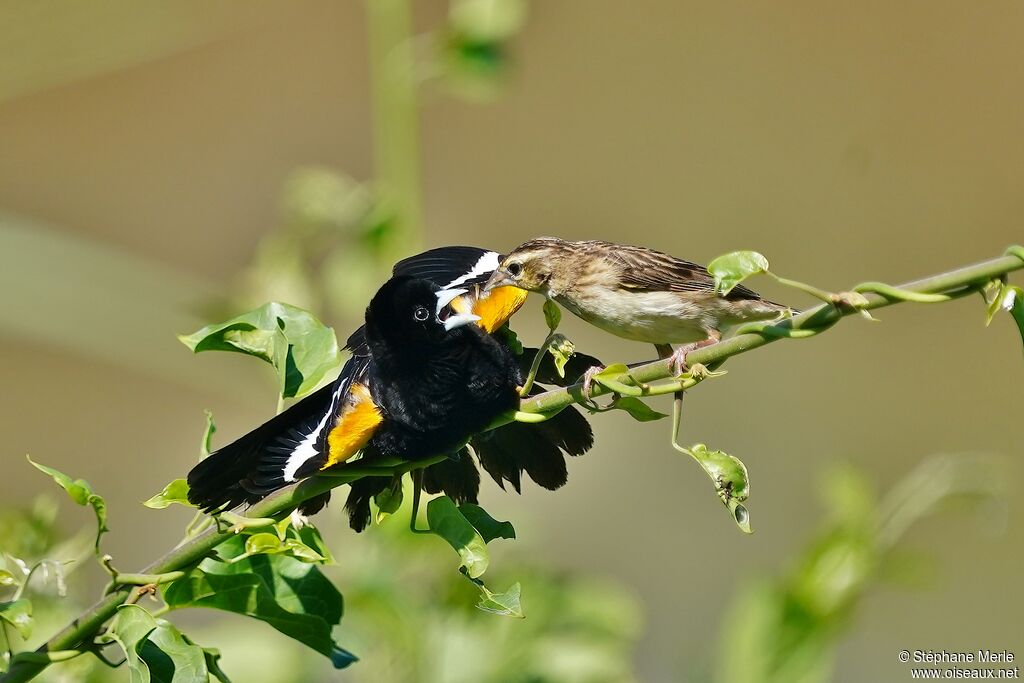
(499, 278)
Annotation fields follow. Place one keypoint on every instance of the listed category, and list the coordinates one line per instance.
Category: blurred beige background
(142, 156)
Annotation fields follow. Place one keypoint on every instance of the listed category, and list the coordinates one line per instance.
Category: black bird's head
(408, 312)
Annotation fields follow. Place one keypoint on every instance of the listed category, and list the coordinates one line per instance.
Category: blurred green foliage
(786, 629)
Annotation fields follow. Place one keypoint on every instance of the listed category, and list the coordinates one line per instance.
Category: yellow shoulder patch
(359, 420)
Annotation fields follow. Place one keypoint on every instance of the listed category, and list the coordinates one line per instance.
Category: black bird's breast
(434, 402)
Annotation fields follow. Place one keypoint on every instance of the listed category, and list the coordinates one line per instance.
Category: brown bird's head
(531, 265)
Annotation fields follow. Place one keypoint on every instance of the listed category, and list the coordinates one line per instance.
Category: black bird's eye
(515, 269)
(421, 313)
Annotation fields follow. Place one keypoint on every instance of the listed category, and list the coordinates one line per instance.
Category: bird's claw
(588, 381)
(677, 361)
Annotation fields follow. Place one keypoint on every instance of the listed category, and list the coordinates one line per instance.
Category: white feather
(487, 263)
(307, 447)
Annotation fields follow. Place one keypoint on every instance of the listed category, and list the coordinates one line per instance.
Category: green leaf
(510, 339)
(611, 378)
(561, 349)
(129, 629)
(80, 492)
(175, 492)
(208, 432)
(212, 656)
(729, 476)
(488, 527)
(993, 297)
(300, 551)
(731, 269)
(389, 500)
(172, 658)
(506, 604)
(487, 20)
(552, 314)
(637, 409)
(262, 543)
(292, 596)
(310, 537)
(19, 615)
(446, 521)
(300, 347)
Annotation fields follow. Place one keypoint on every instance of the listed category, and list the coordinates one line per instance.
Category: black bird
(341, 420)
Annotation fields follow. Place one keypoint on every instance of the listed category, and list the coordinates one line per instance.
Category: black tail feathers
(536, 449)
(251, 467)
(457, 477)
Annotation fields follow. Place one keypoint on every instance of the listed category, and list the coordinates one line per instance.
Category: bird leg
(677, 358)
(588, 380)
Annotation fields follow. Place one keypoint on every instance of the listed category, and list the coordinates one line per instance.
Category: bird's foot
(677, 361)
(588, 381)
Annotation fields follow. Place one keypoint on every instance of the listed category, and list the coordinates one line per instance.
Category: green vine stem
(79, 633)
(531, 376)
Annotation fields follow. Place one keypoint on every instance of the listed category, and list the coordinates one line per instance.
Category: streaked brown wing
(650, 270)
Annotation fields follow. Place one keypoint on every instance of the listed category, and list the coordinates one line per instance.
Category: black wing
(451, 266)
(256, 464)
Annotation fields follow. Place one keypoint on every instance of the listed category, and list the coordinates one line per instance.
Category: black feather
(247, 469)
(361, 492)
(457, 477)
(443, 265)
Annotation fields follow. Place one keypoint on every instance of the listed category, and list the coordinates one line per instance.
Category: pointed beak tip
(496, 280)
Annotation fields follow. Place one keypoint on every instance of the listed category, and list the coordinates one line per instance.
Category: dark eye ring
(421, 313)
(515, 269)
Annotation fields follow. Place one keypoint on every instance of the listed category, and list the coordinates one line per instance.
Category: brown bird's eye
(515, 269)
(421, 313)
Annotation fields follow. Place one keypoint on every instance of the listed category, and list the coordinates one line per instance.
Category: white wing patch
(307, 447)
(488, 262)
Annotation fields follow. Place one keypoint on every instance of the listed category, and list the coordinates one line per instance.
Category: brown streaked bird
(633, 292)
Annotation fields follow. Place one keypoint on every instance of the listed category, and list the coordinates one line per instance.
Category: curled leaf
(262, 543)
(561, 350)
(389, 500)
(729, 475)
(506, 604)
(731, 269)
(174, 492)
(211, 427)
(81, 492)
(637, 409)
